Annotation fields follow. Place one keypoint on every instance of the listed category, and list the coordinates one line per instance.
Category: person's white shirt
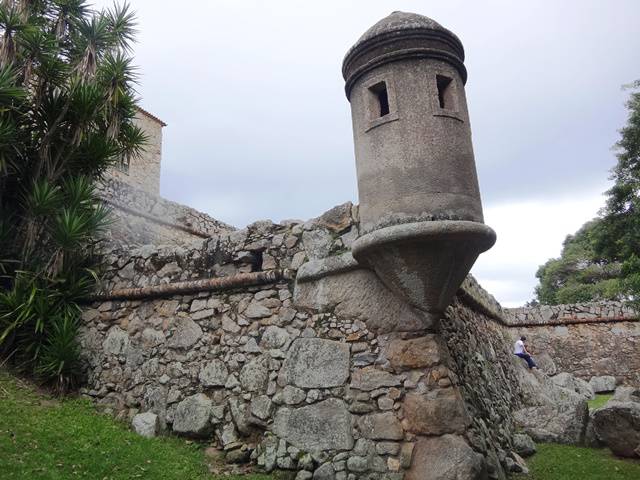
(518, 347)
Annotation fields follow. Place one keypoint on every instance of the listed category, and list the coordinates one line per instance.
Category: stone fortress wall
(320, 346)
(275, 344)
(587, 340)
(142, 218)
(263, 340)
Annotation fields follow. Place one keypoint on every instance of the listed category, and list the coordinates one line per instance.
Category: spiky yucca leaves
(39, 316)
(67, 103)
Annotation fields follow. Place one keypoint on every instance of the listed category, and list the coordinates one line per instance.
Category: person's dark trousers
(528, 359)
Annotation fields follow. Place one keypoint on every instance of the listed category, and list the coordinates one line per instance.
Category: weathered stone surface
(371, 378)
(324, 425)
(435, 414)
(317, 243)
(568, 381)
(214, 374)
(337, 219)
(116, 342)
(152, 338)
(261, 407)
(187, 333)
(324, 472)
(523, 445)
(603, 384)
(145, 424)
(552, 413)
(255, 375)
(155, 400)
(626, 394)
(421, 352)
(290, 396)
(193, 416)
(239, 414)
(318, 268)
(317, 363)
(546, 364)
(229, 326)
(360, 295)
(380, 426)
(617, 425)
(445, 458)
(358, 464)
(255, 310)
(274, 337)
(516, 464)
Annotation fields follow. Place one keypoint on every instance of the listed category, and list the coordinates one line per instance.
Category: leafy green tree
(579, 275)
(602, 260)
(619, 235)
(67, 103)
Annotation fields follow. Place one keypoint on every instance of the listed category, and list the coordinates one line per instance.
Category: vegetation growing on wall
(602, 260)
(66, 108)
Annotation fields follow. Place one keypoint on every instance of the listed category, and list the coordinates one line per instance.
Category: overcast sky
(259, 127)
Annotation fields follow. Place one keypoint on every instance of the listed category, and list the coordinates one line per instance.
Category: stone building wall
(587, 340)
(141, 218)
(275, 344)
(143, 172)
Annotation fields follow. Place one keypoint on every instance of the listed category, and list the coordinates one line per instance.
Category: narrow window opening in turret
(445, 92)
(379, 90)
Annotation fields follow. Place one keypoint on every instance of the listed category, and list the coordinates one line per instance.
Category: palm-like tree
(67, 103)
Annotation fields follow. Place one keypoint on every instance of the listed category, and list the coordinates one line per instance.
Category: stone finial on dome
(402, 35)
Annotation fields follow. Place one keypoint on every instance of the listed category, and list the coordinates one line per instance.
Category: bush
(67, 105)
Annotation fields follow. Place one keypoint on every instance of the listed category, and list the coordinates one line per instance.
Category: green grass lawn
(41, 438)
(600, 400)
(564, 462)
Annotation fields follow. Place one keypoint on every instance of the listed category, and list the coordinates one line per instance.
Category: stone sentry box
(420, 210)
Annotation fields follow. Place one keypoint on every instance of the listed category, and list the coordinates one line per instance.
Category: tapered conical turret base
(425, 262)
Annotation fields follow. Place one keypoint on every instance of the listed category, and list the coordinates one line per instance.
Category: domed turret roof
(401, 22)
(399, 36)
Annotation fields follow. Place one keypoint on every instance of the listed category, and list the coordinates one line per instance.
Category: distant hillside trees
(66, 108)
(579, 274)
(602, 260)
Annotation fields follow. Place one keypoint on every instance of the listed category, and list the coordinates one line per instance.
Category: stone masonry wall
(141, 218)
(330, 373)
(565, 314)
(587, 340)
(487, 373)
(143, 172)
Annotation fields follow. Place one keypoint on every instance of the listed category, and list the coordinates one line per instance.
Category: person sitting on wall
(520, 350)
